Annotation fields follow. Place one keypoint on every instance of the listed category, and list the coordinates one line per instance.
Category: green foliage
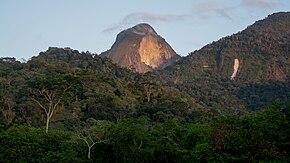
(252, 137)
(257, 136)
(180, 114)
(131, 139)
(263, 74)
(27, 144)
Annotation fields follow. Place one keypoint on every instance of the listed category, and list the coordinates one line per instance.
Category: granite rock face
(141, 49)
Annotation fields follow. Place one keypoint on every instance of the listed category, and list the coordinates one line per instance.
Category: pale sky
(28, 27)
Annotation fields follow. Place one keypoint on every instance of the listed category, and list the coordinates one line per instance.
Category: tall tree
(93, 132)
(49, 92)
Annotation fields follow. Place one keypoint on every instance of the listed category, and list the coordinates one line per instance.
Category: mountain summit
(260, 53)
(140, 48)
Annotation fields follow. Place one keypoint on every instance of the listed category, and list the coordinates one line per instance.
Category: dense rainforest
(66, 106)
(262, 51)
(69, 106)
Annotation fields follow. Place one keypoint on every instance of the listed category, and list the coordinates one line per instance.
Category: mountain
(140, 48)
(239, 73)
(244, 71)
(92, 110)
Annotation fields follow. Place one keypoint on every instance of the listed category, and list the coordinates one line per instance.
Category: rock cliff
(141, 49)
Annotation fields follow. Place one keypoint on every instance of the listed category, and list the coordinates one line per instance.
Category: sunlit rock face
(141, 49)
(236, 67)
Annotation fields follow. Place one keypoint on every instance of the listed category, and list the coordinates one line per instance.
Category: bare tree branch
(40, 105)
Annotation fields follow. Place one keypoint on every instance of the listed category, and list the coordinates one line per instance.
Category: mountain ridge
(262, 52)
(254, 42)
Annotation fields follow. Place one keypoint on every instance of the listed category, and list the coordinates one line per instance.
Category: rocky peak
(140, 48)
(143, 29)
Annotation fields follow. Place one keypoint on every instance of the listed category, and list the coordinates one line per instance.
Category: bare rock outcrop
(140, 48)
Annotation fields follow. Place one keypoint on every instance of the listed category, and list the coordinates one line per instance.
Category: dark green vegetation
(254, 137)
(66, 106)
(72, 87)
(263, 51)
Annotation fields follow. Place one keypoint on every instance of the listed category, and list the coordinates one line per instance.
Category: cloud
(208, 9)
(112, 28)
(204, 10)
(263, 4)
(201, 10)
(136, 17)
(143, 16)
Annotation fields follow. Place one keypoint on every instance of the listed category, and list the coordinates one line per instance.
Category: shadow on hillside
(257, 96)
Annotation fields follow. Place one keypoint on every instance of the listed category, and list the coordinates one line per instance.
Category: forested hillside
(82, 86)
(99, 112)
(227, 102)
(261, 54)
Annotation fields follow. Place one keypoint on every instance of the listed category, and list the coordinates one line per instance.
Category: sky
(28, 27)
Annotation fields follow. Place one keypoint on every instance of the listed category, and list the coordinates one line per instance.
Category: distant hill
(244, 71)
(141, 49)
(88, 86)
